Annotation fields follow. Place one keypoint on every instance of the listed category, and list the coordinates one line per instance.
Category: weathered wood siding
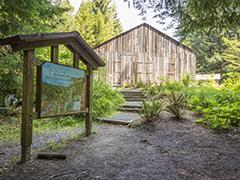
(145, 54)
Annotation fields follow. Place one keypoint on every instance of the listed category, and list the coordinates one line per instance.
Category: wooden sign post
(27, 105)
(81, 51)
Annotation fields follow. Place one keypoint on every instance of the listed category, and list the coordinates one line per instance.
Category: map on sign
(62, 90)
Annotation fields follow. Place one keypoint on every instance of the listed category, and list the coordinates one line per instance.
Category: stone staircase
(128, 112)
(133, 98)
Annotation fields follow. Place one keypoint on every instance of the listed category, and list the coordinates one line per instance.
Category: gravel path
(175, 150)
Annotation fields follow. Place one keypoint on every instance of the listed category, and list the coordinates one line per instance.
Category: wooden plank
(50, 156)
(39, 91)
(76, 59)
(38, 44)
(27, 106)
(89, 81)
(54, 54)
(167, 57)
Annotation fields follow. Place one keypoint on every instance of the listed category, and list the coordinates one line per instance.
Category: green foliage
(215, 54)
(96, 21)
(105, 99)
(10, 74)
(233, 81)
(10, 128)
(151, 109)
(154, 91)
(11, 104)
(192, 15)
(28, 16)
(176, 104)
(186, 80)
(219, 105)
(172, 86)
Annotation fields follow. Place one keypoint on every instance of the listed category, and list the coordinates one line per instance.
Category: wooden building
(145, 54)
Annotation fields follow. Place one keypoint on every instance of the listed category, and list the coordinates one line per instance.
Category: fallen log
(51, 156)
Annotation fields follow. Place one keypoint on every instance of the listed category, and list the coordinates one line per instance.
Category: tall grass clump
(176, 104)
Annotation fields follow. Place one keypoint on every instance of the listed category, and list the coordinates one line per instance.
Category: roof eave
(25, 42)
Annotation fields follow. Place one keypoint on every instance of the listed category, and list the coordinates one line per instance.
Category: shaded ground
(10, 151)
(176, 150)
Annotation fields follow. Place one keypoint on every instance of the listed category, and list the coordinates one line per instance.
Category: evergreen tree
(97, 21)
(215, 54)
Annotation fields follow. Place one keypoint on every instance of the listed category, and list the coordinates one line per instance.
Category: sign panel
(62, 90)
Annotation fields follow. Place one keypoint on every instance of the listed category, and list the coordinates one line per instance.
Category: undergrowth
(219, 104)
(10, 129)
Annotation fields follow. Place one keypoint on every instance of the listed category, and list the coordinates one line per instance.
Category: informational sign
(62, 90)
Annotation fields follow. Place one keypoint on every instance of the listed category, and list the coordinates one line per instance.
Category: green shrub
(10, 73)
(219, 105)
(105, 99)
(223, 117)
(186, 80)
(154, 91)
(151, 109)
(176, 104)
(173, 86)
(233, 82)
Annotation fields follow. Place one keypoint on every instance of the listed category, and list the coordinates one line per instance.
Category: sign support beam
(54, 54)
(89, 81)
(27, 105)
(76, 58)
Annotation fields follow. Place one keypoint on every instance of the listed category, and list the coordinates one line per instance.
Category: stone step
(132, 96)
(135, 98)
(130, 92)
(129, 109)
(123, 118)
(132, 104)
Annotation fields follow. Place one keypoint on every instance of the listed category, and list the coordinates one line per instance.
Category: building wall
(145, 55)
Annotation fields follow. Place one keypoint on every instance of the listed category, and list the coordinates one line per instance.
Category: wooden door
(128, 71)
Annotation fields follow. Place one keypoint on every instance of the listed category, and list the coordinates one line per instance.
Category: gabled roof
(72, 40)
(156, 30)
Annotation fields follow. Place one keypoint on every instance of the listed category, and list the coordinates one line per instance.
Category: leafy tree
(193, 15)
(28, 16)
(96, 21)
(66, 19)
(18, 17)
(231, 54)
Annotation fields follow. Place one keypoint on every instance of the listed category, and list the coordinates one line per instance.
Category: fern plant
(11, 104)
(176, 104)
(151, 109)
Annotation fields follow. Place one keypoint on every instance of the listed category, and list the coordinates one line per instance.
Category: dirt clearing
(176, 150)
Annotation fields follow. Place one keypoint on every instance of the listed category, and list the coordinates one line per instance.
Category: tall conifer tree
(96, 21)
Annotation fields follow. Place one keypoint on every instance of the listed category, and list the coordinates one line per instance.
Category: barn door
(128, 70)
(133, 70)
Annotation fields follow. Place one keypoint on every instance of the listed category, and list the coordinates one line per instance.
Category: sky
(129, 17)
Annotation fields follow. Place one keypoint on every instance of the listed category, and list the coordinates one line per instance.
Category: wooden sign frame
(28, 43)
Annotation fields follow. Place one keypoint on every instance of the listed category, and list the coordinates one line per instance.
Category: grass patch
(10, 128)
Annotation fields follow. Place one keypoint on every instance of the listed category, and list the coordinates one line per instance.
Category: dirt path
(10, 151)
(176, 150)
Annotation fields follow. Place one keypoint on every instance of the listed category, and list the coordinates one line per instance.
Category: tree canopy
(28, 16)
(194, 15)
(97, 21)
